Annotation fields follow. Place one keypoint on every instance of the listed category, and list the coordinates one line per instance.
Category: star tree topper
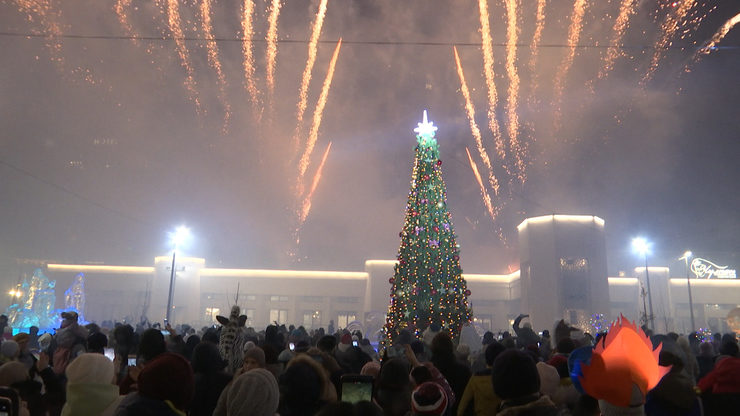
(425, 130)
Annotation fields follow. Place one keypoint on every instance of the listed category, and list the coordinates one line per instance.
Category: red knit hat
(168, 377)
(428, 399)
(346, 339)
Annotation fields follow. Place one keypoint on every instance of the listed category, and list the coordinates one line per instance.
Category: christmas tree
(427, 286)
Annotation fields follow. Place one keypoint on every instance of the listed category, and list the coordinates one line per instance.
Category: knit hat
(549, 379)
(514, 375)
(9, 348)
(346, 339)
(560, 362)
(206, 358)
(428, 399)
(255, 393)
(45, 340)
(257, 353)
(90, 368)
(168, 377)
(371, 368)
(13, 372)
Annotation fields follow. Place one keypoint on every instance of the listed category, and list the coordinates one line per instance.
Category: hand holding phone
(356, 388)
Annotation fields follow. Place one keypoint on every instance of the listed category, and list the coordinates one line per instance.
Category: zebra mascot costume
(231, 342)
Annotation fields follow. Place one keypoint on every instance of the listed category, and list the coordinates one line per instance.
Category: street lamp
(642, 247)
(685, 258)
(177, 239)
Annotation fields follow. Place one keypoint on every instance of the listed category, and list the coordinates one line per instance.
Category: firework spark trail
(512, 38)
(488, 63)
(175, 26)
(534, 45)
(248, 57)
(272, 38)
(306, 208)
(474, 126)
(42, 11)
(668, 29)
(317, 115)
(709, 46)
(205, 11)
(306, 78)
(574, 35)
(121, 8)
(486, 198)
(626, 10)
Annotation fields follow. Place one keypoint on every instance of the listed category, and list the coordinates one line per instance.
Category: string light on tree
(427, 286)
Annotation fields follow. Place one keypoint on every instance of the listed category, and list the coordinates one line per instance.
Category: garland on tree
(427, 286)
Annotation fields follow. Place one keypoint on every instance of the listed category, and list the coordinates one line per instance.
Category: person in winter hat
(517, 382)
(90, 388)
(428, 399)
(166, 387)
(210, 376)
(254, 393)
(254, 358)
(9, 351)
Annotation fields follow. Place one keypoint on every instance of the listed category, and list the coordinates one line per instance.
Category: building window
(276, 298)
(573, 265)
(251, 297)
(210, 314)
(312, 299)
(345, 318)
(348, 299)
(279, 315)
(311, 319)
(250, 317)
(483, 321)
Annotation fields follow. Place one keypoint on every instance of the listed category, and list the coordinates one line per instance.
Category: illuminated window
(311, 319)
(250, 317)
(483, 321)
(210, 314)
(276, 298)
(573, 265)
(251, 297)
(278, 315)
(345, 318)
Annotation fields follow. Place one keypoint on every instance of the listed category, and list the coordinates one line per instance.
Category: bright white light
(425, 128)
(180, 236)
(687, 255)
(641, 246)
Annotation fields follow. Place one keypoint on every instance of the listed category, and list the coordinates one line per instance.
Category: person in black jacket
(443, 357)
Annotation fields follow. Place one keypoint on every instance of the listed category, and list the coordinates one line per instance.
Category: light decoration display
(705, 269)
(427, 286)
(625, 359)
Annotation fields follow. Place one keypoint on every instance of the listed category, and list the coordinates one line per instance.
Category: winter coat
(480, 391)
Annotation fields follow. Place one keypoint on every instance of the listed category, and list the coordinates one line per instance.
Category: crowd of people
(119, 369)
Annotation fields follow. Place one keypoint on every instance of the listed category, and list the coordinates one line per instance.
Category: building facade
(563, 275)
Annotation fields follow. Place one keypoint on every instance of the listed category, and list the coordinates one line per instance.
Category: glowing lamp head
(180, 236)
(686, 256)
(641, 246)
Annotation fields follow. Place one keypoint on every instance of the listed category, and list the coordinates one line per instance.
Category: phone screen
(132, 362)
(357, 391)
(165, 332)
(291, 346)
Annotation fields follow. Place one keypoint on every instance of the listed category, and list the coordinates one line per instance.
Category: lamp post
(685, 258)
(642, 247)
(177, 238)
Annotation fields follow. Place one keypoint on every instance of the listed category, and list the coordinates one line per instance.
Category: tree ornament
(439, 162)
(391, 280)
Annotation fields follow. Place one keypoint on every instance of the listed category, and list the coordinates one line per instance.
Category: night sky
(103, 149)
